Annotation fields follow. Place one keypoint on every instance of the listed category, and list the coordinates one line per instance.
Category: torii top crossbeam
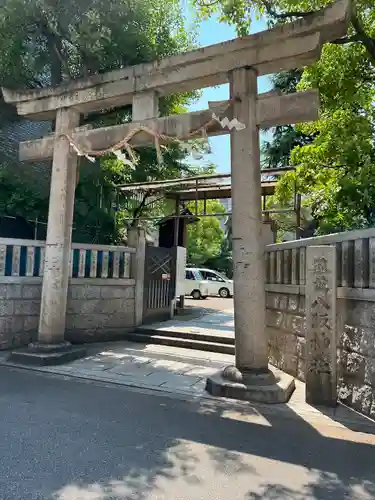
(281, 48)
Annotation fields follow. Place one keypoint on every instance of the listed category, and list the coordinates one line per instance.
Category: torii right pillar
(251, 379)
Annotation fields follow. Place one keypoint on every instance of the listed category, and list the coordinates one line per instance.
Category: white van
(215, 283)
(218, 284)
(195, 285)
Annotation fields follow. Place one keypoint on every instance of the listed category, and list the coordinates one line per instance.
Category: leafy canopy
(46, 42)
(82, 37)
(241, 12)
(335, 171)
(334, 157)
(205, 237)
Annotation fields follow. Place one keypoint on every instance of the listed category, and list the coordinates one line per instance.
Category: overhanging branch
(284, 15)
(360, 35)
(367, 40)
(207, 3)
(348, 39)
(138, 211)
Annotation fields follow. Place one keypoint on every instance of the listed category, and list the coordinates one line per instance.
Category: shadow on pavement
(337, 468)
(69, 440)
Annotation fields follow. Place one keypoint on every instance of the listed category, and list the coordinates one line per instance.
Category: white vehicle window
(213, 276)
(223, 277)
(189, 275)
(197, 275)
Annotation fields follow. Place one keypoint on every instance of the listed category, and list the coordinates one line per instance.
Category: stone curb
(278, 411)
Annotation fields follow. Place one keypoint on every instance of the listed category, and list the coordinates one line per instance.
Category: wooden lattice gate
(160, 283)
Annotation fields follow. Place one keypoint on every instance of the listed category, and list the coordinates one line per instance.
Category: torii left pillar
(51, 347)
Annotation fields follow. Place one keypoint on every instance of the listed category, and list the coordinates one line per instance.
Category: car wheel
(196, 294)
(224, 293)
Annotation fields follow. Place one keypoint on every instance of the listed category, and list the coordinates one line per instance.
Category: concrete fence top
(81, 246)
(323, 240)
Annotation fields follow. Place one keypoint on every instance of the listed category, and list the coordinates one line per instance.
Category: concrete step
(187, 343)
(205, 336)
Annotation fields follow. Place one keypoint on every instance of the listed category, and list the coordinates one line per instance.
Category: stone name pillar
(321, 296)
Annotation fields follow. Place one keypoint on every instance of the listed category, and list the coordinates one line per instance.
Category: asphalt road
(70, 440)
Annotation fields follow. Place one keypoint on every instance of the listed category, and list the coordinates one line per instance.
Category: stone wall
(19, 311)
(97, 310)
(286, 327)
(286, 331)
(357, 355)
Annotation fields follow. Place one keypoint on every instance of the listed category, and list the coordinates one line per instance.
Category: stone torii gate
(238, 62)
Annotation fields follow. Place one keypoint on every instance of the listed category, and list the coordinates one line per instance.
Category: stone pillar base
(273, 386)
(38, 354)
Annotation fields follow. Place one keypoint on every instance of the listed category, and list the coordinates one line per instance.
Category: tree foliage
(334, 157)
(46, 42)
(276, 152)
(224, 261)
(240, 14)
(335, 171)
(55, 40)
(206, 236)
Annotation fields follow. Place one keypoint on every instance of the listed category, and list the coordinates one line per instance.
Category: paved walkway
(157, 367)
(181, 373)
(216, 323)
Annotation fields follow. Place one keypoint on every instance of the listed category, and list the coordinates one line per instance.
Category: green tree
(205, 237)
(240, 13)
(50, 41)
(335, 172)
(224, 261)
(46, 42)
(276, 152)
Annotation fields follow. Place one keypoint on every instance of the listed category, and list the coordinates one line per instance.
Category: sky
(210, 32)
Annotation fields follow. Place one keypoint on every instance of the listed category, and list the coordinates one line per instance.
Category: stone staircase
(212, 332)
(220, 343)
